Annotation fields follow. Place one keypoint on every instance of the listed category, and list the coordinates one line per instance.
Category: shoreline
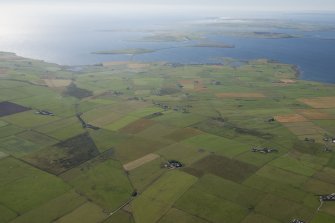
(298, 70)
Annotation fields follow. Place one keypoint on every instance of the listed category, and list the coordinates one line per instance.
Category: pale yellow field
(315, 114)
(320, 102)
(57, 82)
(290, 118)
(139, 162)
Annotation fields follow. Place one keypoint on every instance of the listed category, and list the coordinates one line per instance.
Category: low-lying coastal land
(125, 51)
(253, 143)
(213, 45)
(172, 36)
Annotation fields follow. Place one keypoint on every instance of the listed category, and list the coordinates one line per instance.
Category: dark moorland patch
(230, 169)
(9, 108)
(74, 91)
(65, 155)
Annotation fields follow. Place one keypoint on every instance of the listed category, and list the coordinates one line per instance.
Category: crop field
(315, 114)
(320, 102)
(139, 162)
(290, 118)
(253, 141)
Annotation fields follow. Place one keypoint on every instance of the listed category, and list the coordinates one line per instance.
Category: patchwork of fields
(108, 165)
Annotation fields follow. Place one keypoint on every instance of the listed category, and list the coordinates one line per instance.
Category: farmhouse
(153, 115)
(263, 150)
(214, 82)
(330, 197)
(297, 221)
(173, 164)
(44, 112)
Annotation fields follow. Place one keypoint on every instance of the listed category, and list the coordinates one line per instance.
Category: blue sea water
(69, 40)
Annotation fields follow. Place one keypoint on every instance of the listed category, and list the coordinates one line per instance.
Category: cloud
(260, 5)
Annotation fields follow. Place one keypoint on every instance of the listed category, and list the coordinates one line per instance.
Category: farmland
(255, 143)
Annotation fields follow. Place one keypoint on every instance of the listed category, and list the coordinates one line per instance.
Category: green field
(159, 198)
(110, 166)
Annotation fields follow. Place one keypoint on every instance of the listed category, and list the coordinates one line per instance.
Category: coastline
(298, 69)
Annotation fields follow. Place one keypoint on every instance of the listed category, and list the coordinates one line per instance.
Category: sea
(67, 38)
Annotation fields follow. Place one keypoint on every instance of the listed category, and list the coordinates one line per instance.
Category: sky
(237, 5)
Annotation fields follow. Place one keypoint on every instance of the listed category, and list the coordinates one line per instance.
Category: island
(213, 45)
(131, 51)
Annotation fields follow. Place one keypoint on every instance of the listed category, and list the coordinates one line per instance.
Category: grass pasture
(210, 207)
(187, 154)
(175, 215)
(137, 147)
(21, 181)
(257, 218)
(17, 146)
(53, 209)
(105, 140)
(9, 130)
(29, 119)
(120, 123)
(159, 198)
(143, 176)
(237, 193)
(86, 213)
(293, 165)
(105, 183)
(120, 216)
(3, 123)
(6, 214)
(62, 129)
(37, 138)
(218, 145)
(230, 169)
(283, 210)
(137, 126)
(323, 218)
(183, 133)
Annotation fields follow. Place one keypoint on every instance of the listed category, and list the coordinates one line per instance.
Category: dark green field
(138, 116)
